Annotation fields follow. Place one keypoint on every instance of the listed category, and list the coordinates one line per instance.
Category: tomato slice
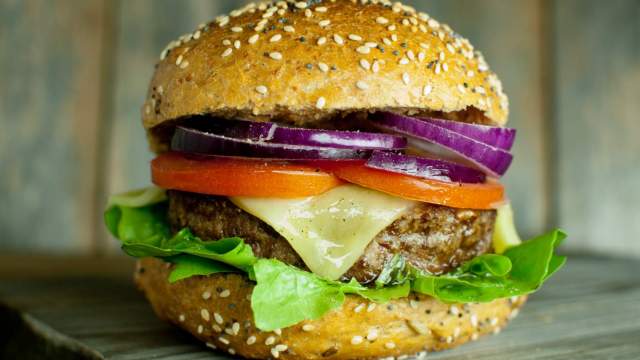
(458, 195)
(239, 176)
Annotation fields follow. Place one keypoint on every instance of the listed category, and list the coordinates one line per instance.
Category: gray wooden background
(73, 74)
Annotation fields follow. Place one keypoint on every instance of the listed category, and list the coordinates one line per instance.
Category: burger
(327, 185)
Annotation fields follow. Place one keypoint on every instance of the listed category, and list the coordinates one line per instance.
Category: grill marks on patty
(431, 237)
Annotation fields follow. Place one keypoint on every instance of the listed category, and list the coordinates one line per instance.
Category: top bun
(305, 61)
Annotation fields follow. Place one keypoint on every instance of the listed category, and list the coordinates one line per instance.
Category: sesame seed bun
(303, 62)
(216, 309)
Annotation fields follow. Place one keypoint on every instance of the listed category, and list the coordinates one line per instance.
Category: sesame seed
(453, 310)
(381, 20)
(278, 331)
(275, 353)
(470, 73)
(493, 321)
(179, 60)
(365, 64)
(308, 327)
(205, 314)
(371, 44)
(449, 339)
(375, 67)
(441, 56)
(411, 55)
(237, 44)
(461, 88)
(321, 102)
(421, 56)
(362, 86)
(210, 346)
(235, 328)
(253, 39)
(251, 340)
(181, 317)
(206, 295)
(372, 334)
(216, 328)
(227, 52)
(405, 22)
(324, 23)
(359, 308)
(403, 61)
(394, 37)
(200, 329)
(424, 46)
(456, 332)
(229, 331)
(437, 68)
(323, 67)
(426, 90)
(236, 29)
(338, 39)
(514, 314)
(450, 48)
(392, 28)
(474, 336)
(363, 49)
(483, 67)
(474, 320)
(321, 9)
(301, 4)
(371, 307)
(225, 293)
(412, 303)
(406, 80)
(356, 340)
(355, 37)
(445, 67)
(218, 318)
(289, 29)
(275, 55)
(226, 42)
(270, 340)
(223, 340)
(196, 35)
(275, 38)
(433, 23)
(281, 347)
(386, 41)
(390, 345)
(231, 351)
(322, 41)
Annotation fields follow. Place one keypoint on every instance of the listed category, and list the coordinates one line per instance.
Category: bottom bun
(217, 310)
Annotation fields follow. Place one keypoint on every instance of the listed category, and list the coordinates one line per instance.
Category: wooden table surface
(89, 309)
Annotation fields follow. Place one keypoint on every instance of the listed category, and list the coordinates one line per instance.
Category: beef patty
(433, 238)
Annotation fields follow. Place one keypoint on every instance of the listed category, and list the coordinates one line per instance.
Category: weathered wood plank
(49, 104)
(144, 29)
(588, 310)
(508, 34)
(597, 55)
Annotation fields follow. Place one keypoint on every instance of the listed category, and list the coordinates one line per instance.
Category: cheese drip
(330, 231)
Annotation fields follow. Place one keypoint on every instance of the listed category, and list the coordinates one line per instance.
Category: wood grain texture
(49, 102)
(597, 56)
(589, 310)
(508, 34)
(144, 28)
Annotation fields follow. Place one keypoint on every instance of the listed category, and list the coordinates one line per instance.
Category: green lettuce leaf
(285, 295)
(186, 266)
(520, 270)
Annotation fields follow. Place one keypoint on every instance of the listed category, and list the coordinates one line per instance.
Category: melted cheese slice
(330, 231)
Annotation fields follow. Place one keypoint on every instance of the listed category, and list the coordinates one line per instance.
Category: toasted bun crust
(216, 309)
(305, 61)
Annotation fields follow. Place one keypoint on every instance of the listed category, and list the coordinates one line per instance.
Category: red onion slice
(424, 168)
(200, 142)
(496, 136)
(338, 139)
(490, 159)
(273, 133)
